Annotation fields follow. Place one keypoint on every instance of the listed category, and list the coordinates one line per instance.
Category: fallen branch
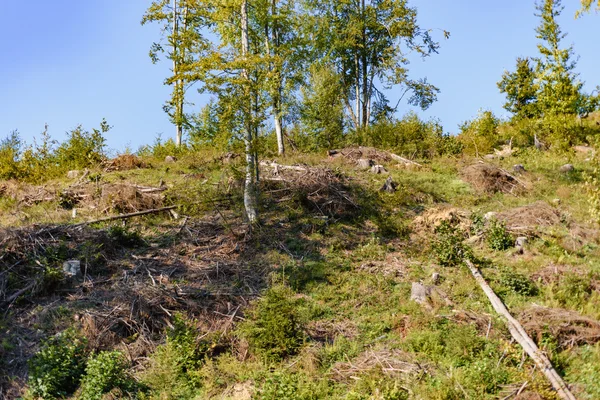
(14, 296)
(404, 160)
(277, 167)
(519, 334)
(124, 216)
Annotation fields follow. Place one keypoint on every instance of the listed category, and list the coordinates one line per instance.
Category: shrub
(10, 150)
(125, 237)
(409, 135)
(162, 149)
(273, 327)
(573, 290)
(448, 245)
(105, 372)
(82, 149)
(480, 135)
(518, 283)
(497, 236)
(55, 371)
(174, 366)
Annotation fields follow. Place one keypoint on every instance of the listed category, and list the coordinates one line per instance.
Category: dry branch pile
(431, 218)
(25, 194)
(488, 178)
(568, 327)
(527, 219)
(319, 189)
(388, 362)
(124, 162)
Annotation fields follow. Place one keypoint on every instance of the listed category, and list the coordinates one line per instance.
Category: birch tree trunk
(178, 96)
(251, 165)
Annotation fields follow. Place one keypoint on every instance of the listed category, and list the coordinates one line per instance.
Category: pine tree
(559, 89)
(521, 90)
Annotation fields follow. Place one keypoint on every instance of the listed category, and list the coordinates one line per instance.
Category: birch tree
(182, 43)
(369, 42)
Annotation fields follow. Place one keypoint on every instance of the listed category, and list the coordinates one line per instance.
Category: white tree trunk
(279, 132)
(250, 183)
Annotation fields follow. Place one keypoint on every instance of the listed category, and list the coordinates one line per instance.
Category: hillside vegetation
(314, 302)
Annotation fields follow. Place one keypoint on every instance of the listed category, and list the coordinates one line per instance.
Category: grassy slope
(351, 280)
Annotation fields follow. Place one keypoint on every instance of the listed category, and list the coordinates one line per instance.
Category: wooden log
(521, 336)
(404, 160)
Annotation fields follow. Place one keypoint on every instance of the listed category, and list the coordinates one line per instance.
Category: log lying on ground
(404, 160)
(519, 334)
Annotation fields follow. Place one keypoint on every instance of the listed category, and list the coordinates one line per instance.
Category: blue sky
(70, 62)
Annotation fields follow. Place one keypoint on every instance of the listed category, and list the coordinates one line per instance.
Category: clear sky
(70, 62)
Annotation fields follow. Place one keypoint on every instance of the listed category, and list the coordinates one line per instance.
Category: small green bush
(517, 283)
(82, 149)
(10, 150)
(125, 237)
(173, 371)
(573, 290)
(55, 371)
(497, 236)
(448, 246)
(105, 372)
(274, 327)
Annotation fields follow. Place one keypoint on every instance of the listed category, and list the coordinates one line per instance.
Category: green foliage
(173, 372)
(448, 245)
(517, 283)
(160, 149)
(10, 150)
(480, 135)
(55, 371)
(560, 92)
(521, 90)
(322, 113)
(104, 373)
(274, 327)
(585, 369)
(410, 136)
(497, 237)
(286, 386)
(82, 149)
(572, 290)
(125, 237)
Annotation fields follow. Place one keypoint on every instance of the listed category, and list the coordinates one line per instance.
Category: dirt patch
(124, 162)
(488, 178)
(567, 327)
(431, 218)
(319, 189)
(530, 218)
(388, 362)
